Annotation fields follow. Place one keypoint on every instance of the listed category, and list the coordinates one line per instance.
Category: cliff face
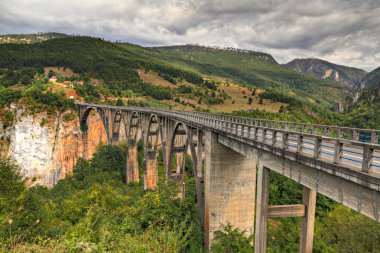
(326, 70)
(371, 79)
(47, 147)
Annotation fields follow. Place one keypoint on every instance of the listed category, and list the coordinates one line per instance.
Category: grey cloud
(342, 31)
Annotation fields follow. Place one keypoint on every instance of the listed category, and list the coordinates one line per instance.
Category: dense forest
(94, 211)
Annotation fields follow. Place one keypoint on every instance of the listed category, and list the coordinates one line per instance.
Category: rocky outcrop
(371, 79)
(326, 70)
(47, 147)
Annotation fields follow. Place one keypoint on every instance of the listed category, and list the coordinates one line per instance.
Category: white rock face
(47, 152)
(31, 148)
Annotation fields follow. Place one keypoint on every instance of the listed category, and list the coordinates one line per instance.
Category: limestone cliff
(47, 147)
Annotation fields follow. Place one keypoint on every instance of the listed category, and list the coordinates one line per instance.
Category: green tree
(231, 240)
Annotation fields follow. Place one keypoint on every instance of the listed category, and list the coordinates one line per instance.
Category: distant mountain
(364, 112)
(29, 38)
(371, 79)
(326, 70)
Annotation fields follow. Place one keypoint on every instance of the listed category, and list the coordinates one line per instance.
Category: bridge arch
(101, 113)
(181, 142)
(153, 133)
(151, 142)
(134, 132)
(89, 145)
(118, 125)
(134, 128)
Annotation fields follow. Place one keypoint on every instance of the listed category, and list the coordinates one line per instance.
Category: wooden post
(307, 227)
(262, 209)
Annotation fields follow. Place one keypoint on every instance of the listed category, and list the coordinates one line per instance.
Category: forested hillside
(252, 68)
(192, 77)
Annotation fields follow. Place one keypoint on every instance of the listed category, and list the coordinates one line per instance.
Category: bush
(231, 239)
(8, 96)
(215, 101)
(156, 92)
(185, 89)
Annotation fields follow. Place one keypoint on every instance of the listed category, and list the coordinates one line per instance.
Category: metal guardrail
(352, 148)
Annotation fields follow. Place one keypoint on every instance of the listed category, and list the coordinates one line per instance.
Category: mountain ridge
(322, 69)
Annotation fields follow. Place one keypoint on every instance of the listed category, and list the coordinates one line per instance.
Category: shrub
(185, 89)
(231, 239)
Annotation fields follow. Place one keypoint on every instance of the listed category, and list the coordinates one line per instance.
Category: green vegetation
(366, 112)
(37, 96)
(247, 67)
(93, 210)
(231, 239)
(95, 58)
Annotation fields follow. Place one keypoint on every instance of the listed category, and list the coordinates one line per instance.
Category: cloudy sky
(341, 31)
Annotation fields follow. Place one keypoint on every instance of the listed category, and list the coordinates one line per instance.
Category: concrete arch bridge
(339, 162)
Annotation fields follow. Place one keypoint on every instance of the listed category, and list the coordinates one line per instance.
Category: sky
(341, 31)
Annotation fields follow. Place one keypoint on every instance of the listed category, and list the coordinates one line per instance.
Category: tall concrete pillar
(230, 182)
(309, 199)
(180, 162)
(132, 163)
(167, 133)
(262, 209)
(199, 174)
(200, 154)
(150, 170)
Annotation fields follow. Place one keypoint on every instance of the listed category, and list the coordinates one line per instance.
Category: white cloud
(345, 32)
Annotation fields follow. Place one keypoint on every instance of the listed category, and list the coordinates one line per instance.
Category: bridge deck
(353, 148)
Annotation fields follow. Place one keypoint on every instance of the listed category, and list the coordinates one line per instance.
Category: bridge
(227, 152)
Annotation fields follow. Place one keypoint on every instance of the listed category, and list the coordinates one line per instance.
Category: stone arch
(134, 130)
(150, 168)
(134, 127)
(102, 115)
(88, 142)
(118, 125)
(181, 142)
(153, 133)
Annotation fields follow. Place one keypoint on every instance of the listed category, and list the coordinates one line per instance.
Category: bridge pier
(263, 211)
(230, 181)
(309, 199)
(150, 170)
(132, 162)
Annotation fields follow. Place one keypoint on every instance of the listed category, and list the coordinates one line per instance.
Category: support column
(307, 228)
(230, 181)
(180, 162)
(262, 209)
(199, 155)
(150, 170)
(132, 162)
(166, 145)
(199, 174)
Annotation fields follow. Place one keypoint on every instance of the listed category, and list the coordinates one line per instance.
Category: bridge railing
(353, 148)
(343, 148)
(356, 134)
